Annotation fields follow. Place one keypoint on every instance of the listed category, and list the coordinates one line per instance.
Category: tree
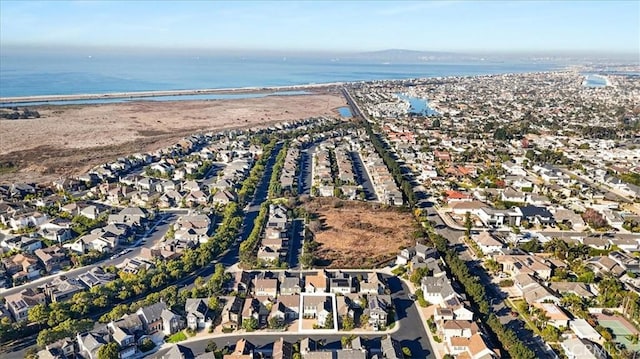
(213, 303)
(306, 259)
(407, 352)
(276, 323)
(109, 351)
(31, 353)
(39, 314)
(418, 274)
(146, 345)
(492, 265)
(551, 334)
(250, 324)
(329, 322)
(211, 346)
(467, 225)
(347, 322)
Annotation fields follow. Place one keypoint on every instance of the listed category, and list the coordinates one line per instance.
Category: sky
(341, 26)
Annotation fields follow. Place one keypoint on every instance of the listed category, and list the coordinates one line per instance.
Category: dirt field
(357, 234)
(69, 140)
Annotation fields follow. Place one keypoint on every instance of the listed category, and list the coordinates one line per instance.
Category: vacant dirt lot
(358, 235)
(69, 140)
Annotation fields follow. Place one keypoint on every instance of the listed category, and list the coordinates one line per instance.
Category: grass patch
(177, 337)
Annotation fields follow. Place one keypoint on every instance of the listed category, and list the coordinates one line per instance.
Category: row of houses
(285, 295)
(129, 332)
(59, 289)
(453, 319)
(274, 245)
(288, 176)
(355, 348)
(384, 185)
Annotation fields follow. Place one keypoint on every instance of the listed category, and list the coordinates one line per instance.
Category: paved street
(304, 176)
(363, 177)
(150, 238)
(295, 244)
(494, 294)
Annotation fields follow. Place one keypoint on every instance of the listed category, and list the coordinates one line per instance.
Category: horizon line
(460, 52)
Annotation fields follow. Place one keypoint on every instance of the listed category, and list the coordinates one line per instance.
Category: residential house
(171, 322)
(290, 286)
(437, 290)
(231, 314)
(253, 308)
(198, 314)
(474, 347)
(282, 349)
(62, 288)
(378, 308)
(22, 244)
(194, 228)
(268, 254)
(223, 197)
(391, 348)
(576, 348)
(372, 284)
(556, 315)
(458, 309)
(528, 264)
(488, 243)
(125, 339)
(537, 215)
(287, 307)
(532, 291)
(265, 287)
(341, 282)
(578, 288)
(583, 330)
(53, 258)
(22, 267)
(89, 343)
(242, 282)
(19, 304)
(96, 277)
(242, 350)
(62, 349)
(151, 317)
(316, 283)
(314, 307)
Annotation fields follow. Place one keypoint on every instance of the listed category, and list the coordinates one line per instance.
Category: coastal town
(448, 217)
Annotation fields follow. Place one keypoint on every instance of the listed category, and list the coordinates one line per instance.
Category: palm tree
(633, 338)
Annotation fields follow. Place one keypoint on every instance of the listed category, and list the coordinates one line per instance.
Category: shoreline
(213, 91)
(162, 93)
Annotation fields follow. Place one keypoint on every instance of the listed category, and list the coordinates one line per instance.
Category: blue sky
(458, 26)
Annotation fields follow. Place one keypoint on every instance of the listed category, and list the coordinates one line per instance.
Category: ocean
(60, 74)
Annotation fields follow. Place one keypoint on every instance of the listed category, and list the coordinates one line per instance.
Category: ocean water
(61, 74)
(211, 96)
(418, 106)
(592, 80)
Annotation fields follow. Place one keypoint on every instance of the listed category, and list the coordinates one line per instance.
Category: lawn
(177, 337)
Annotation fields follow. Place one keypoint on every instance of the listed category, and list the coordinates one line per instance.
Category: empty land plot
(358, 235)
(70, 139)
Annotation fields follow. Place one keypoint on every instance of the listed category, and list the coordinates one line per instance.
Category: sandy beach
(70, 139)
